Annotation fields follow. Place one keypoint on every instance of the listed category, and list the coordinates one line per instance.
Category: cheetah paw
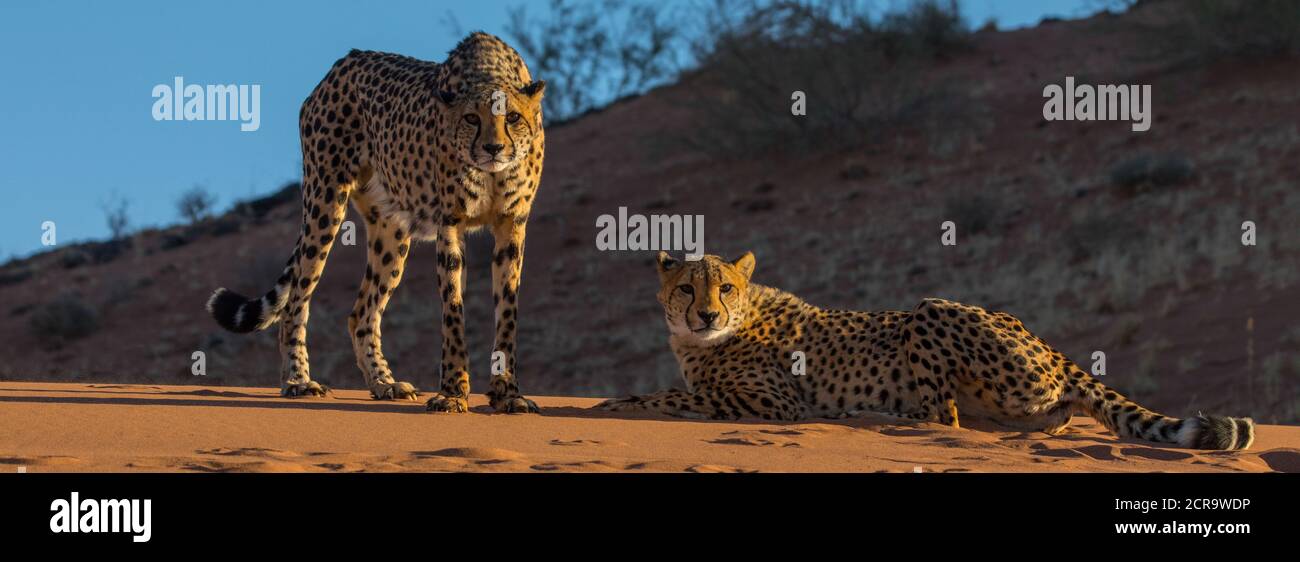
(449, 404)
(516, 405)
(394, 391)
(309, 388)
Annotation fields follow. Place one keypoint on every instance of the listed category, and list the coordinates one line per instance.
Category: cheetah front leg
(507, 267)
(707, 404)
(672, 402)
(454, 395)
(388, 245)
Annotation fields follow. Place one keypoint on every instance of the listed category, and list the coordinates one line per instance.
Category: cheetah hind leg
(1057, 419)
(1052, 420)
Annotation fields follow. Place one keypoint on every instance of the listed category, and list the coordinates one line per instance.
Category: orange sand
(56, 427)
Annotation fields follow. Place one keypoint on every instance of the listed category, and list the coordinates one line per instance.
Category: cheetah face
(705, 301)
(492, 127)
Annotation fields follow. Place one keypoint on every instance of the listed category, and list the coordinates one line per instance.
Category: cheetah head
(493, 126)
(705, 301)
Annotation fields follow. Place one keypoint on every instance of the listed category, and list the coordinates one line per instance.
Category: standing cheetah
(423, 151)
(735, 342)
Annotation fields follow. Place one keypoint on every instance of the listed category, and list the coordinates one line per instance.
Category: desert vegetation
(595, 52)
(195, 204)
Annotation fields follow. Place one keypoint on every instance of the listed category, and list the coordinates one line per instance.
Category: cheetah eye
(726, 288)
(513, 117)
(686, 289)
(471, 119)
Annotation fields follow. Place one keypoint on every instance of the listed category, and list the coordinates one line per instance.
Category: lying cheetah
(735, 342)
(424, 151)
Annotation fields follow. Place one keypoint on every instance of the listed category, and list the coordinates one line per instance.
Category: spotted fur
(424, 151)
(736, 343)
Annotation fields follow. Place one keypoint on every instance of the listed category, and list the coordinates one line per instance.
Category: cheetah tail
(241, 314)
(1128, 419)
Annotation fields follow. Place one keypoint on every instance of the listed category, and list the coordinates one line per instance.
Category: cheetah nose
(708, 316)
(494, 149)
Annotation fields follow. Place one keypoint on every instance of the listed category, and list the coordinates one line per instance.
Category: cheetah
(736, 343)
(424, 151)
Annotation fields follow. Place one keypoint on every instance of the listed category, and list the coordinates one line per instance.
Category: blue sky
(76, 128)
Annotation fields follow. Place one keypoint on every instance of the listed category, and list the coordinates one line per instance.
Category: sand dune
(54, 427)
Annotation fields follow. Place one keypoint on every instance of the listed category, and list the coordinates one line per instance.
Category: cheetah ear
(745, 264)
(666, 264)
(446, 97)
(534, 90)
